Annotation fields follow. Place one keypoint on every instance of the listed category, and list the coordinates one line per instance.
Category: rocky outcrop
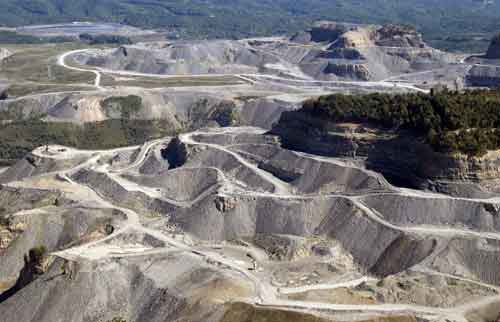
(9, 231)
(367, 52)
(352, 71)
(353, 36)
(225, 204)
(35, 264)
(323, 31)
(403, 158)
(4, 53)
(358, 37)
(485, 70)
(343, 53)
(283, 247)
(494, 48)
(384, 51)
(399, 36)
(483, 76)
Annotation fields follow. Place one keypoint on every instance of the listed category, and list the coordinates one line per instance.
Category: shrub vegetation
(466, 122)
(21, 137)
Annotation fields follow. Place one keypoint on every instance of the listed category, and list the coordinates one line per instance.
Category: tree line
(450, 121)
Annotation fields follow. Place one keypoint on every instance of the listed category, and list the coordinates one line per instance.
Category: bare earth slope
(330, 51)
(203, 215)
(219, 223)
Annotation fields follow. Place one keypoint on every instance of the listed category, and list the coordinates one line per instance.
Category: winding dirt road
(249, 78)
(266, 295)
(61, 60)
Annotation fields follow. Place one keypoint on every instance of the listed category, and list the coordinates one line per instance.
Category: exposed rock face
(6, 237)
(69, 269)
(8, 232)
(343, 53)
(334, 51)
(403, 158)
(494, 49)
(483, 76)
(399, 36)
(4, 53)
(358, 37)
(283, 247)
(367, 52)
(323, 31)
(353, 71)
(329, 30)
(35, 265)
(225, 204)
(485, 71)
(181, 108)
(352, 35)
(237, 212)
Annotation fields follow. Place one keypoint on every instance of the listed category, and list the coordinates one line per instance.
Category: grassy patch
(39, 64)
(117, 320)
(243, 312)
(178, 81)
(19, 90)
(33, 69)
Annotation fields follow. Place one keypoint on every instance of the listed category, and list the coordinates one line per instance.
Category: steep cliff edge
(485, 71)
(402, 157)
(494, 48)
(367, 52)
(483, 76)
(328, 51)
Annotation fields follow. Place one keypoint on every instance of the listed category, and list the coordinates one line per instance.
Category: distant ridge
(446, 23)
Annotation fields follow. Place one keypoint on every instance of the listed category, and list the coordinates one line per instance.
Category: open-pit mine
(182, 181)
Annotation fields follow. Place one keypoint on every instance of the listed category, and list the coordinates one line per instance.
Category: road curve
(265, 294)
(61, 60)
(249, 78)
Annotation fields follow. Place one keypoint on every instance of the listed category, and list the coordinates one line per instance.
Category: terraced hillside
(225, 224)
(235, 180)
(98, 97)
(328, 51)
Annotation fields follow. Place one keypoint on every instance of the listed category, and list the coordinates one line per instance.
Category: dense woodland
(447, 24)
(466, 122)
